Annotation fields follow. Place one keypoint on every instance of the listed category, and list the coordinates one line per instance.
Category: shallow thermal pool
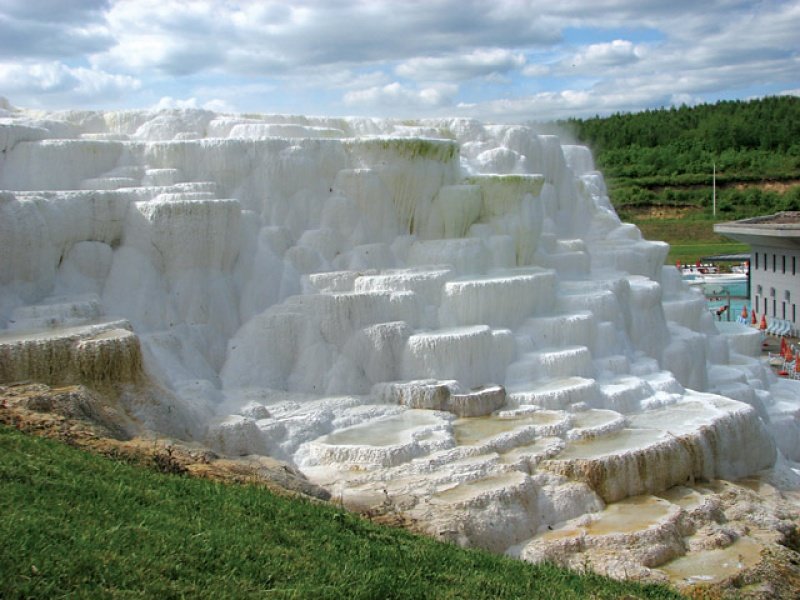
(391, 431)
(473, 431)
(633, 514)
(710, 566)
(679, 418)
(615, 443)
(469, 490)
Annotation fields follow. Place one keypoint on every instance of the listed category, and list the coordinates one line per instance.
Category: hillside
(660, 164)
(78, 525)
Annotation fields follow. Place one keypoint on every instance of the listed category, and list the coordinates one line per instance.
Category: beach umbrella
(797, 362)
(763, 324)
(753, 319)
(744, 311)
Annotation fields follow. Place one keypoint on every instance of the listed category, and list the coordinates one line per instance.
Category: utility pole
(714, 190)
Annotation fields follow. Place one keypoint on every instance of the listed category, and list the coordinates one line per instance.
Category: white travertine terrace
(444, 317)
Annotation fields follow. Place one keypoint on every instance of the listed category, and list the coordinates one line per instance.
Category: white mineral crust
(445, 318)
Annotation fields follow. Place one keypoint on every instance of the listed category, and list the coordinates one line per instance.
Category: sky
(497, 60)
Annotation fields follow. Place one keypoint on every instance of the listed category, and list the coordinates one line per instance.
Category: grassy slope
(688, 240)
(78, 525)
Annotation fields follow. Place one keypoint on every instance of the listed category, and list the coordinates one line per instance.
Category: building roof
(781, 229)
(726, 258)
(781, 218)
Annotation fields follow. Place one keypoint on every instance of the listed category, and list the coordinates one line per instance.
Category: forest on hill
(663, 161)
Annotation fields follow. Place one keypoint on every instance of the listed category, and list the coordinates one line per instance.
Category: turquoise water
(738, 288)
(720, 293)
(717, 294)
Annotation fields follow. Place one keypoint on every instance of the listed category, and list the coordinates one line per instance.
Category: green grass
(691, 253)
(81, 526)
(689, 239)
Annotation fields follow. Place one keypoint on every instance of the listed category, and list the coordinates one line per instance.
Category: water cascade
(445, 319)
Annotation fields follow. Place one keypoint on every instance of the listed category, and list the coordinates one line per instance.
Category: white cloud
(324, 56)
(338, 79)
(544, 106)
(396, 95)
(219, 105)
(605, 55)
(687, 99)
(58, 11)
(215, 104)
(56, 78)
(52, 28)
(271, 37)
(36, 78)
(168, 102)
(174, 38)
(695, 59)
(460, 67)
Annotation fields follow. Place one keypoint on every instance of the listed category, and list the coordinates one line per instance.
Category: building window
(765, 261)
(774, 307)
(756, 255)
(794, 313)
(787, 295)
(759, 289)
(755, 304)
(794, 265)
(771, 292)
(773, 263)
(783, 310)
(783, 263)
(765, 306)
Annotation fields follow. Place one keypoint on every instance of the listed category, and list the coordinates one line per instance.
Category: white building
(774, 262)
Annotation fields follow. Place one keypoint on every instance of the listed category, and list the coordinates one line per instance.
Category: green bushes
(666, 157)
(769, 124)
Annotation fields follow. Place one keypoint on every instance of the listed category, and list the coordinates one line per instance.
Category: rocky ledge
(87, 419)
